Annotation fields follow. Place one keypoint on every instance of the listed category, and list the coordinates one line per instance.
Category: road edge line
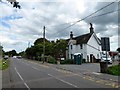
(22, 79)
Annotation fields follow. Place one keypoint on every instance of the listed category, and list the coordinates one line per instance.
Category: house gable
(96, 39)
(94, 42)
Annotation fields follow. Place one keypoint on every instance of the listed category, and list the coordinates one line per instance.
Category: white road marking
(35, 68)
(63, 81)
(22, 79)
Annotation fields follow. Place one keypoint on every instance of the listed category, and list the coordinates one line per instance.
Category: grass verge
(4, 64)
(114, 70)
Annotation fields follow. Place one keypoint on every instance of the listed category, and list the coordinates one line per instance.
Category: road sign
(105, 43)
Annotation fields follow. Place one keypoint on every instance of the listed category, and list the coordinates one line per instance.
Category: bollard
(103, 67)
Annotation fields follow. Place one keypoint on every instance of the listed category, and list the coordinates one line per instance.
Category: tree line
(55, 49)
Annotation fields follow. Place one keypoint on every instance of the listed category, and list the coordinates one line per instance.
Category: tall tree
(40, 41)
(11, 53)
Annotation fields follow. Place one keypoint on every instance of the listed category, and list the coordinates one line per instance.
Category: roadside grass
(114, 70)
(4, 64)
(0, 64)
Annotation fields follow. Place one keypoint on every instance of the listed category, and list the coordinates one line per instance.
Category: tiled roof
(83, 39)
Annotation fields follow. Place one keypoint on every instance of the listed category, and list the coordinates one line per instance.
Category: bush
(83, 60)
(4, 64)
(51, 60)
(114, 70)
(69, 61)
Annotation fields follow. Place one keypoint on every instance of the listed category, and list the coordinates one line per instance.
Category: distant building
(88, 44)
(114, 55)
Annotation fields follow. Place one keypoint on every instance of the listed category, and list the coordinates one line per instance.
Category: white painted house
(88, 44)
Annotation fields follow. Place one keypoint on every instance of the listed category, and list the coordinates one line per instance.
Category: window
(71, 47)
(71, 56)
(81, 46)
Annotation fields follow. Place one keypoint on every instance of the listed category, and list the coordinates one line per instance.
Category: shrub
(51, 60)
(4, 64)
(69, 61)
(83, 60)
(114, 70)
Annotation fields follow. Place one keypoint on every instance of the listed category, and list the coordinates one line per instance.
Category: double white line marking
(22, 78)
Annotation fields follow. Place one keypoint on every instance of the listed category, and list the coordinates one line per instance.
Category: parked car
(109, 60)
(14, 56)
(6, 57)
(19, 57)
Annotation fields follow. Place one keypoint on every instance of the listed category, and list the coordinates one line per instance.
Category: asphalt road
(27, 74)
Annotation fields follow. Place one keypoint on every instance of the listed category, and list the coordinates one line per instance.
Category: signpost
(105, 42)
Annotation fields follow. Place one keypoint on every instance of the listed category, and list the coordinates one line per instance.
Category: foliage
(40, 40)
(55, 49)
(0, 64)
(15, 4)
(21, 54)
(114, 70)
(118, 49)
(60, 48)
(11, 53)
(83, 60)
(4, 64)
(69, 61)
(52, 60)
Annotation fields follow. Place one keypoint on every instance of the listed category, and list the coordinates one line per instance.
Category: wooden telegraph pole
(43, 44)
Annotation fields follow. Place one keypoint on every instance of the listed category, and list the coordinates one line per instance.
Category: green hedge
(83, 60)
(69, 61)
(114, 70)
(51, 60)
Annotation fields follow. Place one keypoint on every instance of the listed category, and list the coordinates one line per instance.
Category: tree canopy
(118, 49)
(14, 3)
(11, 53)
(55, 49)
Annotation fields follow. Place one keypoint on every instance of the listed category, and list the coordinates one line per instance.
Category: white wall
(77, 49)
(93, 47)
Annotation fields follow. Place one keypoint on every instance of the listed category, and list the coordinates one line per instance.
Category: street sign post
(105, 43)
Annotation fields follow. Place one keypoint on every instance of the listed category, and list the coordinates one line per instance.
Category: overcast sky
(18, 27)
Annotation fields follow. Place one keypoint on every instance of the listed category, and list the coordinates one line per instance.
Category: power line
(104, 14)
(88, 15)
(85, 17)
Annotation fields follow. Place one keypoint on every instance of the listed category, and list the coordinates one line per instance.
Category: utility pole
(43, 44)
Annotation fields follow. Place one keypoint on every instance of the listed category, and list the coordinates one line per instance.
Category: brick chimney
(91, 28)
(71, 35)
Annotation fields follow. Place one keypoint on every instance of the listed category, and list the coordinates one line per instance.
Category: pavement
(6, 78)
(0, 79)
(88, 69)
(33, 74)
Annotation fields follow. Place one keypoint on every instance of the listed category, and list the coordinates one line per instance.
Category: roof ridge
(83, 35)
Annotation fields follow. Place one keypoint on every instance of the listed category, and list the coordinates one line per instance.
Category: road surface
(28, 74)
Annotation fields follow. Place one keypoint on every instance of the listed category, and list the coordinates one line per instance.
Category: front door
(91, 58)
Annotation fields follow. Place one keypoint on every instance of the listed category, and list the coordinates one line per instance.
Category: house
(89, 45)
